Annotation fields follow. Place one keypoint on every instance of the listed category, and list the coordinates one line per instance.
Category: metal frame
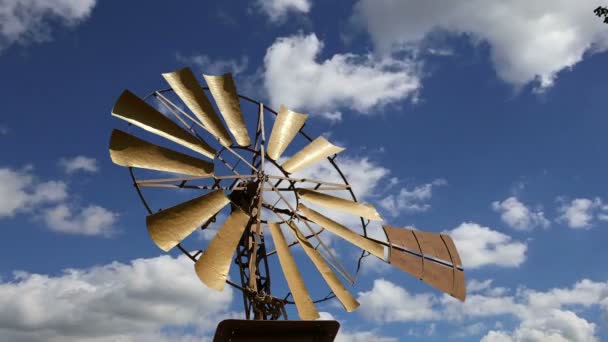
(251, 251)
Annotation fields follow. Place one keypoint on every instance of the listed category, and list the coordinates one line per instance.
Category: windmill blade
(224, 92)
(364, 210)
(304, 305)
(362, 242)
(127, 150)
(314, 152)
(137, 112)
(347, 300)
(431, 257)
(170, 226)
(213, 266)
(285, 128)
(188, 89)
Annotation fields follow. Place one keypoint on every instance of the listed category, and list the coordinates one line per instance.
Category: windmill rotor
(246, 184)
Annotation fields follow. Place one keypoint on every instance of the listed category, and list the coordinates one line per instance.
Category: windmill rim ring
(302, 133)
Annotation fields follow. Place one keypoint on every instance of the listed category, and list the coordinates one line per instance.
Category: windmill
(235, 167)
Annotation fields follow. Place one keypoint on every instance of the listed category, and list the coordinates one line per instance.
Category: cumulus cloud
(475, 285)
(542, 315)
(554, 314)
(79, 163)
(113, 302)
(277, 10)
(388, 302)
(411, 200)
(296, 77)
(21, 191)
(345, 334)
(518, 216)
(528, 41)
(90, 220)
(555, 325)
(581, 212)
(22, 21)
(481, 246)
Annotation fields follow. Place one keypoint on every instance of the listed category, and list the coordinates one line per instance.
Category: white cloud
(277, 10)
(113, 302)
(91, 220)
(552, 315)
(214, 67)
(475, 285)
(516, 215)
(294, 76)
(4, 129)
(528, 40)
(21, 191)
(555, 325)
(347, 335)
(30, 20)
(481, 246)
(542, 315)
(411, 200)
(333, 117)
(387, 302)
(79, 163)
(580, 212)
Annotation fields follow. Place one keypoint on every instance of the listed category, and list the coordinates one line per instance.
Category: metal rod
(200, 187)
(349, 278)
(177, 179)
(343, 273)
(206, 130)
(258, 230)
(305, 180)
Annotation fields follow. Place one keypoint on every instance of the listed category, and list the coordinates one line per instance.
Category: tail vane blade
(137, 112)
(213, 266)
(224, 92)
(347, 300)
(364, 210)
(304, 305)
(284, 130)
(169, 227)
(314, 152)
(343, 232)
(430, 257)
(129, 151)
(188, 89)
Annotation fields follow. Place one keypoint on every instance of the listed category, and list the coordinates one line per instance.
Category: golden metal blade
(314, 152)
(364, 210)
(189, 90)
(424, 248)
(170, 226)
(136, 111)
(343, 232)
(304, 305)
(127, 150)
(347, 300)
(285, 128)
(224, 92)
(213, 266)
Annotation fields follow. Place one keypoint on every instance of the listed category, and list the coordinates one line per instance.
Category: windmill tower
(246, 185)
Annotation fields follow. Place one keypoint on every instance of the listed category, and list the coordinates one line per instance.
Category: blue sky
(482, 120)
